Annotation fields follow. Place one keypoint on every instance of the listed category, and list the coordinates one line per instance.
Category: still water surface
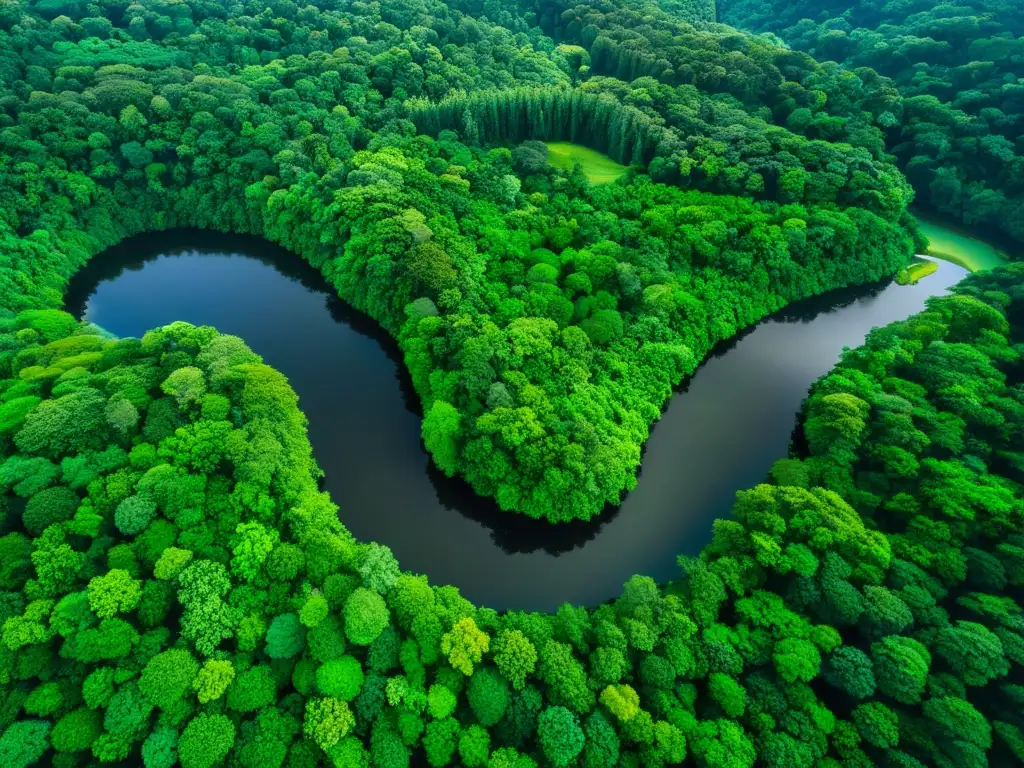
(720, 433)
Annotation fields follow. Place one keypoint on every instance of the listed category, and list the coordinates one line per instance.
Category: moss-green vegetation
(952, 113)
(959, 248)
(598, 168)
(544, 320)
(917, 270)
(174, 588)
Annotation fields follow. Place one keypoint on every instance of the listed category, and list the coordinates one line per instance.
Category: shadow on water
(721, 432)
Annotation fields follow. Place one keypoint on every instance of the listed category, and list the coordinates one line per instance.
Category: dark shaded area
(729, 422)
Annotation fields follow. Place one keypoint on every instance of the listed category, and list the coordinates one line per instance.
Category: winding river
(720, 433)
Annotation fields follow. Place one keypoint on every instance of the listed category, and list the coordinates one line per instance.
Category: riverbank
(364, 420)
(958, 246)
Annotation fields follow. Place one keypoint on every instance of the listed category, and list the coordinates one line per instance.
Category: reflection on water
(722, 431)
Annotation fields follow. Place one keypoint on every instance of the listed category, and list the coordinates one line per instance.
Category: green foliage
(340, 678)
(441, 428)
(213, 680)
(314, 611)
(622, 701)
(560, 735)
(515, 656)
(24, 742)
(253, 545)
(850, 669)
(76, 731)
(49, 506)
(160, 750)
(901, 668)
(116, 592)
(488, 696)
(464, 645)
(948, 67)
(206, 741)
(285, 637)
(877, 724)
(134, 514)
(327, 721)
(366, 616)
(252, 690)
(171, 562)
(177, 589)
(187, 385)
(440, 741)
(167, 677)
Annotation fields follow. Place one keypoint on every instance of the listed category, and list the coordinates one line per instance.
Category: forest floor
(598, 168)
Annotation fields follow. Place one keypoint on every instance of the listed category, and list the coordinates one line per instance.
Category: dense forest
(544, 320)
(958, 122)
(174, 587)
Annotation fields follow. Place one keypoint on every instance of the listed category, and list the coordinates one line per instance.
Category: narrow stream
(720, 433)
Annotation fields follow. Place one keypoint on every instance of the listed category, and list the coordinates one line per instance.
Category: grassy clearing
(949, 245)
(917, 270)
(598, 168)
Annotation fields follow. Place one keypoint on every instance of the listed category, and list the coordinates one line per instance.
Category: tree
(76, 731)
(366, 616)
(206, 741)
(252, 690)
(956, 722)
(728, 693)
(885, 613)
(602, 742)
(850, 669)
(116, 592)
(122, 416)
(314, 610)
(488, 696)
(506, 757)
(167, 677)
(464, 645)
(515, 657)
(474, 747)
(327, 721)
(901, 667)
(441, 432)
(877, 724)
(973, 652)
(49, 506)
(187, 385)
(286, 636)
(252, 546)
(441, 701)
(441, 740)
(172, 561)
(67, 425)
(213, 680)
(621, 701)
(379, 568)
(24, 742)
(160, 750)
(134, 514)
(207, 620)
(530, 157)
(565, 677)
(560, 735)
(340, 678)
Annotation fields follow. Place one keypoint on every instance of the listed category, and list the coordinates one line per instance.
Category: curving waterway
(720, 433)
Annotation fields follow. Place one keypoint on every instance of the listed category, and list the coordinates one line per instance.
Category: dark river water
(720, 433)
